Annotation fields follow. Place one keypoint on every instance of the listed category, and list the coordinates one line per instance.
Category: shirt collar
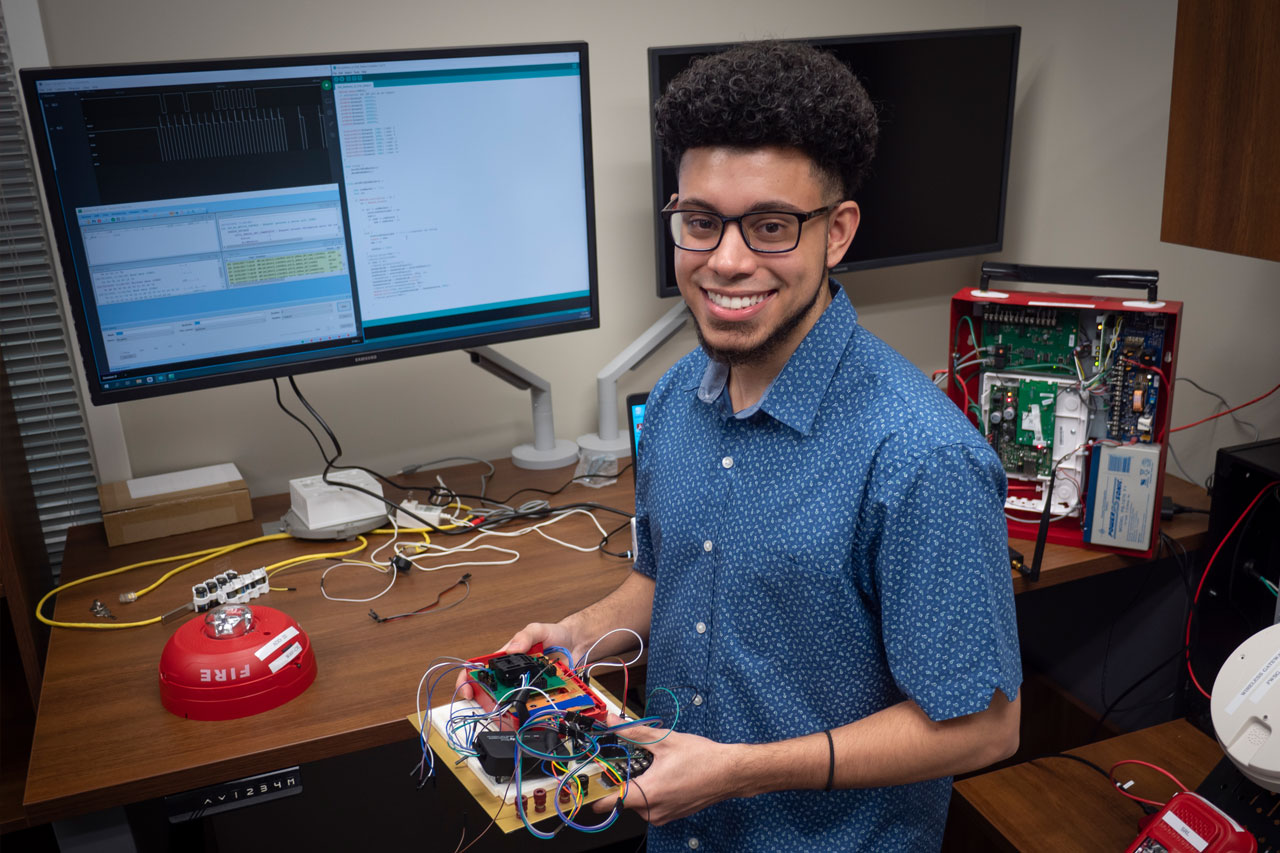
(795, 393)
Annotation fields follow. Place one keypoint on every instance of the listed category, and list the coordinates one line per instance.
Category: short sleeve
(647, 530)
(645, 562)
(942, 566)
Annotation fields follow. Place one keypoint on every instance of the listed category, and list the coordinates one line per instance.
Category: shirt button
(727, 462)
(701, 627)
(693, 844)
(706, 546)
(697, 698)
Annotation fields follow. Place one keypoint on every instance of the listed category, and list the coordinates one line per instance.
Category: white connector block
(229, 588)
(432, 514)
(319, 504)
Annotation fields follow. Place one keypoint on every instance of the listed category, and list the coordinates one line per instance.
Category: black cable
(438, 496)
(1083, 761)
(280, 402)
(1241, 536)
(1182, 562)
(1181, 558)
(330, 463)
(624, 555)
(1146, 807)
(337, 448)
(1141, 681)
(1121, 612)
(548, 493)
(465, 580)
(644, 836)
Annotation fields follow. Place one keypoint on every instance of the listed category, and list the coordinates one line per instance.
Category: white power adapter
(432, 514)
(324, 505)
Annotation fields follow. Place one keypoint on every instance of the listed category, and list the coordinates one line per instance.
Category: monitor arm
(609, 441)
(547, 451)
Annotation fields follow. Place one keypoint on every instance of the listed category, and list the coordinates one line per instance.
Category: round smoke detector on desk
(1245, 707)
(235, 661)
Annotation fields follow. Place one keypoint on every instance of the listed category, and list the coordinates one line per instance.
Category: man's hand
(547, 633)
(688, 774)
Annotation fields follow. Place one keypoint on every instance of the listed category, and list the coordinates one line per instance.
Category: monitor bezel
(665, 279)
(316, 361)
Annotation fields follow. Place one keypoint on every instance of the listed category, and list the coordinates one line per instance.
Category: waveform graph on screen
(241, 137)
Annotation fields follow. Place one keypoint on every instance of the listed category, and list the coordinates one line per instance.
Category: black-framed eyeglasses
(766, 231)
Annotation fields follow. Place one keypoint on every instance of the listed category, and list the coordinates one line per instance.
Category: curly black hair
(773, 93)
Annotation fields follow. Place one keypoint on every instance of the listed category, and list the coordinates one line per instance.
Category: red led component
(223, 666)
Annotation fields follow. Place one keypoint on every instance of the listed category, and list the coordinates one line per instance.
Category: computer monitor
(229, 220)
(936, 188)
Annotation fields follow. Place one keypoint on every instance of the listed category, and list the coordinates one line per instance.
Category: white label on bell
(268, 649)
(1249, 685)
(289, 654)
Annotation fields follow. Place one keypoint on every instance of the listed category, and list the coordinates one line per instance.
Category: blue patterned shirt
(827, 553)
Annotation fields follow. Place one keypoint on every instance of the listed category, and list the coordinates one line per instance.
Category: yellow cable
(303, 558)
(206, 554)
(225, 549)
(275, 568)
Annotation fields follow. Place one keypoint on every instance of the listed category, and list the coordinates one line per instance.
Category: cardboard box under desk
(128, 519)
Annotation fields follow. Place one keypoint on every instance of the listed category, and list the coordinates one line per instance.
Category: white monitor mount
(610, 441)
(547, 451)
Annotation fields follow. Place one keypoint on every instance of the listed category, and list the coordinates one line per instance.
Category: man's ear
(843, 225)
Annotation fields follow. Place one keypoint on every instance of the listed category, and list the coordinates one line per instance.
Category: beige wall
(1085, 189)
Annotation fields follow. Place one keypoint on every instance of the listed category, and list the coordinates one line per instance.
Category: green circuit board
(1032, 336)
(1020, 419)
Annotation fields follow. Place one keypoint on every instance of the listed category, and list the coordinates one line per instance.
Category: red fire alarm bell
(235, 662)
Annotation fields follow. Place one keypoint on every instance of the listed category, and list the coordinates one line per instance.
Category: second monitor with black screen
(936, 188)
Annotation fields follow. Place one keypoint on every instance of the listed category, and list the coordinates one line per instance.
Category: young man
(822, 572)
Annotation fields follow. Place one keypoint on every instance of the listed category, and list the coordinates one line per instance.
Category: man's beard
(763, 351)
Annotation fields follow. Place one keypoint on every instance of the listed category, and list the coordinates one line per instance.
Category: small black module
(509, 669)
(497, 752)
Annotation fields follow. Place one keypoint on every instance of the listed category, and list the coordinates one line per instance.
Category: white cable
(587, 657)
(376, 568)
(372, 563)
(537, 528)
(462, 549)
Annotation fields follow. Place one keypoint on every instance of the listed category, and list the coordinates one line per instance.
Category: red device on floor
(1189, 823)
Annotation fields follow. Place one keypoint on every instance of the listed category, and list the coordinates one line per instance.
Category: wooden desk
(103, 739)
(1061, 805)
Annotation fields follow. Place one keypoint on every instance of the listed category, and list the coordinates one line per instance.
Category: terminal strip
(229, 587)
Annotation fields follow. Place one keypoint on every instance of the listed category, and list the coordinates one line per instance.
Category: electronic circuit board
(1048, 378)
(1020, 420)
(1135, 389)
(1025, 337)
(532, 683)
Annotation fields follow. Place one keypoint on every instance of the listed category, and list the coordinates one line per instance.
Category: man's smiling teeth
(734, 302)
